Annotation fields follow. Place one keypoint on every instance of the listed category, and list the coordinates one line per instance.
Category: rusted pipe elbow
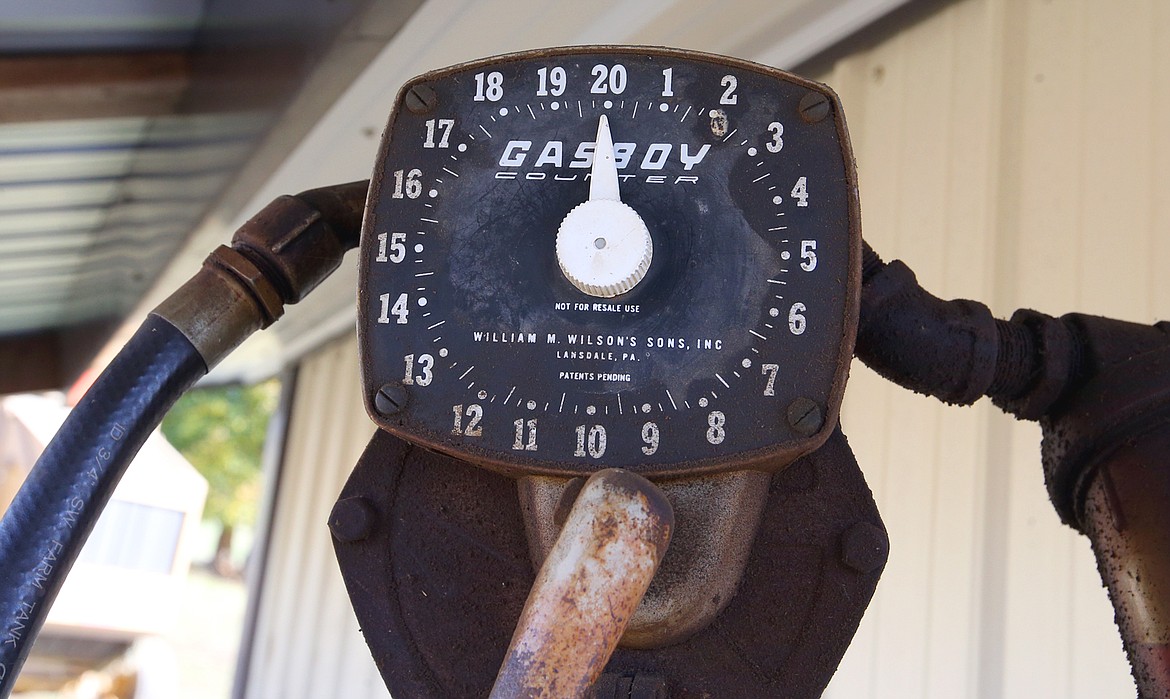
(299, 240)
(276, 258)
(956, 351)
(945, 349)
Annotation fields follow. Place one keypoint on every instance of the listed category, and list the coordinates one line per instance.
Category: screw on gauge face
(813, 107)
(352, 519)
(805, 417)
(864, 547)
(390, 399)
(421, 99)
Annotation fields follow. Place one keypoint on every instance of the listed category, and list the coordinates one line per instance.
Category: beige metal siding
(1015, 153)
(307, 642)
(1010, 151)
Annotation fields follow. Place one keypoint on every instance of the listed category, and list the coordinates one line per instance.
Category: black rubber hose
(52, 515)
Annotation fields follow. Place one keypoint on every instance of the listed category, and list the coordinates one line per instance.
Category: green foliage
(221, 431)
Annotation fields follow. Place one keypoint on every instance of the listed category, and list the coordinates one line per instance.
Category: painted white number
(715, 423)
(409, 185)
(399, 309)
(796, 319)
(770, 371)
(425, 363)
(777, 143)
(595, 443)
(555, 77)
(382, 248)
(608, 79)
(522, 444)
(396, 247)
(489, 87)
(474, 415)
(808, 255)
(800, 191)
(729, 96)
(667, 79)
(445, 126)
(650, 437)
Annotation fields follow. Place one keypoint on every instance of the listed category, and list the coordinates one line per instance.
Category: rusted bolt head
(864, 547)
(640, 686)
(813, 107)
(648, 687)
(805, 416)
(421, 99)
(352, 519)
(390, 399)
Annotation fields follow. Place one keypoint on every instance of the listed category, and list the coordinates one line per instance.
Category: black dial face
(696, 310)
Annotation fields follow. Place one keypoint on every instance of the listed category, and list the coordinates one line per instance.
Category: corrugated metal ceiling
(121, 123)
(90, 208)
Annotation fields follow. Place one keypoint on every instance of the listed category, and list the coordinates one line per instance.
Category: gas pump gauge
(595, 258)
(640, 258)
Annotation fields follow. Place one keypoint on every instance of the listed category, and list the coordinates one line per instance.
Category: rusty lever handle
(587, 590)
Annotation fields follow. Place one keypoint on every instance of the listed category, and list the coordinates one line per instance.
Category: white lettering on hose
(15, 631)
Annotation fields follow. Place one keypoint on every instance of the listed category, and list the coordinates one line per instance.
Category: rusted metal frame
(40, 88)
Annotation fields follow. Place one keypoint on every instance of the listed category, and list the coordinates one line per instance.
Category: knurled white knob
(603, 247)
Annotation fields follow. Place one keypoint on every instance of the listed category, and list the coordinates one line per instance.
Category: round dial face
(604, 257)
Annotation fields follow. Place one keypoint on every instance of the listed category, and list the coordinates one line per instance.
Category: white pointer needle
(603, 177)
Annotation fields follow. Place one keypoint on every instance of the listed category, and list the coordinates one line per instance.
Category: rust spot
(719, 123)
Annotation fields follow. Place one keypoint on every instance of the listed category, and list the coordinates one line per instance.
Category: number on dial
(474, 414)
(593, 444)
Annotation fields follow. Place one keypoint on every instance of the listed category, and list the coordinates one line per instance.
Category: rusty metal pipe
(1127, 518)
(587, 590)
(276, 258)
